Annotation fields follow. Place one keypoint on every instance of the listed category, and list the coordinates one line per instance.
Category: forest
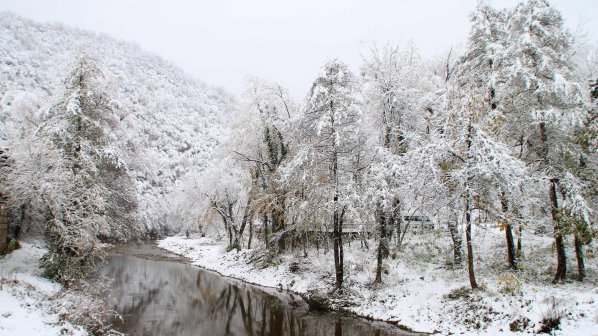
(483, 157)
(502, 136)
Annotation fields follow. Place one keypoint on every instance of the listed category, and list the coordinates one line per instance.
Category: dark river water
(156, 295)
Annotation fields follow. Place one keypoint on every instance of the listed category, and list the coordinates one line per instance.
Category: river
(157, 293)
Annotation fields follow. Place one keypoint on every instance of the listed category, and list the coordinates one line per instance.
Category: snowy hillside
(169, 122)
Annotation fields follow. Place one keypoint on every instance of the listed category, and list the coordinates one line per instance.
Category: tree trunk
(381, 245)
(402, 232)
(278, 225)
(379, 265)
(293, 238)
(233, 228)
(364, 242)
(335, 242)
(384, 234)
(305, 244)
(470, 268)
(317, 238)
(457, 240)
(340, 245)
(250, 234)
(396, 221)
(519, 249)
(561, 267)
(511, 256)
(247, 217)
(520, 239)
(230, 232)
(266, 238)
(338, 328)
(581, 269)
(519, 217)
(399, 225)
(227, 228)
(336, 219)
(337, 238)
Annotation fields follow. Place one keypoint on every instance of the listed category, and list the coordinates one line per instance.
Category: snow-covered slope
(32, 305)
(170, 122)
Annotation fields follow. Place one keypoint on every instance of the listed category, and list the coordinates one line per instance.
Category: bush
(548, 324)
(70, 257)
(294, 267)
(509, 283)
(551, 318)
(13, 245)
(519, 324)
(458, 293)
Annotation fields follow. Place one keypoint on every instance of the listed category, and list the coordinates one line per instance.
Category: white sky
(222, 41)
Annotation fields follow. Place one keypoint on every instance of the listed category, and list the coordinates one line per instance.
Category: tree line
(507, 129)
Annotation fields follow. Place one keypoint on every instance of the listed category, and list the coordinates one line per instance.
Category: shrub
(71, 256)
(458, 293)
(13, 245)
(509, 283)
(551, 318)
(549, 323)
(519, 324)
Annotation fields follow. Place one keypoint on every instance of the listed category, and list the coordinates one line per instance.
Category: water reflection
(168, 298)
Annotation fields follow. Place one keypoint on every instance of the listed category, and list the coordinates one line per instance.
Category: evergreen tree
(81, 185)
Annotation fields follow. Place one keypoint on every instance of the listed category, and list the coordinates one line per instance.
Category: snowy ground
(30, 304)
(421, 290)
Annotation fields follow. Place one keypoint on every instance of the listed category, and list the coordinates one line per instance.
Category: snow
(169, 124)
(414, 292)
(30, 304)
(171, 127)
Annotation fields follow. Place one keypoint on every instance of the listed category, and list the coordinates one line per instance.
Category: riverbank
(31, 305)
(420, 291)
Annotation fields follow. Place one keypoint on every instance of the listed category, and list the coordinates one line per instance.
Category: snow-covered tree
(224, 192)
(393, 95)
(579, 188)
(328, 150)
(392, 78)
(260, 139)
(541, 102)
(479, 71)
(72, 174)
(467, 158)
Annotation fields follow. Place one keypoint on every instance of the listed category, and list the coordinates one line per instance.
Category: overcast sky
(222, 41)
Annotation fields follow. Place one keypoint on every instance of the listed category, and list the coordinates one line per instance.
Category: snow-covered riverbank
(419, 291)
(30, 304)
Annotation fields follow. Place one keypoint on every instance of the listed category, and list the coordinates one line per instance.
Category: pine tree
(80, 183)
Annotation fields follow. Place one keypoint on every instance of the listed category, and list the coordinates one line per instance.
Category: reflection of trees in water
(160, 298)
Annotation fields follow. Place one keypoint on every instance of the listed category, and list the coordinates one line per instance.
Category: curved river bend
(157, 294)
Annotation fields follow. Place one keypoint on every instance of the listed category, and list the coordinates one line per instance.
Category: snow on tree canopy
(168, 123)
